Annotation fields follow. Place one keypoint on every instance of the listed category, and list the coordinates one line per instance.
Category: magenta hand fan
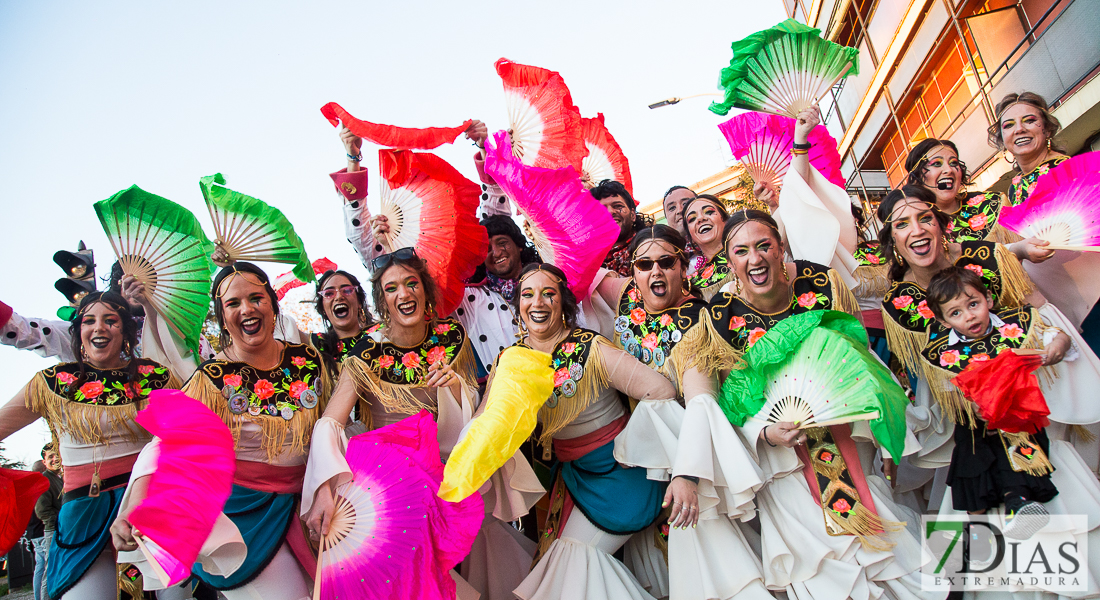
(763, 144)
(1063, 208)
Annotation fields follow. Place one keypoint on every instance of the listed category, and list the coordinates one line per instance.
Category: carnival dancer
(342, 304)
(802, 555)
(624, 210)
(90, 405)
(416, 360)
(704, 217)
(270, 394)
(662, 322)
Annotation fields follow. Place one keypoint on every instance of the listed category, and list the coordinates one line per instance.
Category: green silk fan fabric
(738, 79)
(845, 344)
(162, 244)
(255, 230)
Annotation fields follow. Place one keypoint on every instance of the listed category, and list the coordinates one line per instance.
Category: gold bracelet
(799, 152)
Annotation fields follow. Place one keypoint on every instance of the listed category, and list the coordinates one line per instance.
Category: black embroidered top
(107, 387)
(343, 345)
(1022, 184)
(296, 384)
(409, 366)
(869, 254)
(712, 273)
(977, 215)
(741, 325)
(569, 360)
(958, 356)
(650, 337)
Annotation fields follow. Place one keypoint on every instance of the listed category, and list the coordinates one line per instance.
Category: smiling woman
(704, 218)
(342, 303)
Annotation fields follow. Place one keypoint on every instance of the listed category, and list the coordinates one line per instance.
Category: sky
(98, 96)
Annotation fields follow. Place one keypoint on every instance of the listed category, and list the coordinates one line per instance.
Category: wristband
(694, 480)
(767, 440)
(805, 146)
(356, 157)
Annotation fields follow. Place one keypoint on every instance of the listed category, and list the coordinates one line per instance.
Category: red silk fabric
(1007, 392)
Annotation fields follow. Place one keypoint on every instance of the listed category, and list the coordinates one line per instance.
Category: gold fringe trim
(1001, 235)
(1015, 284)
(275, 432)
(905, 344)
(702, 348)
(1039, 465)
(872, 281)
(1083, 435)
(843, 298)
(865, 525)
(595, 380)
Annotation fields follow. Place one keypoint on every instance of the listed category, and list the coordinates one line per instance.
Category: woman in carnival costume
(704, 217)
(416, 360)
(342, 304)
(270, 394)
(864, 557)
(663, 322)
(90, 405)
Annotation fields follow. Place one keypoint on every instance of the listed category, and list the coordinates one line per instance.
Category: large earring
(736, 284)
(362, 317)
(83, 352)
(898, 258)
(686, 287)
(129, 352)
(1048, 143)
(783, 268)
(946, 251)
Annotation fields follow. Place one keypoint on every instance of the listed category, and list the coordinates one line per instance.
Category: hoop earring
(736, 284)
(898, 258)
(686, 287)
(362, 317)
(1008, 157)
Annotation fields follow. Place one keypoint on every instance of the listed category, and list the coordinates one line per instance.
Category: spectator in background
(624, 210)
(46, 510)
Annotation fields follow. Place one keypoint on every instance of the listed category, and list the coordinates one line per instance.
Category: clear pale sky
(96, 96)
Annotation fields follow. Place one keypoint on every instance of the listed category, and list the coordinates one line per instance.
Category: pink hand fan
(1063, 208)
(605, 158)
(194, 477)
(543, 123)
(763, 143)
(569, 227)
(390, 536)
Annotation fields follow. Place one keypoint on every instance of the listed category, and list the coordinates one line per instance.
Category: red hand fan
(605, 158)
(432, 207)
(763, 143)
(393, 137)
(1063, 208)
(19, 490)
(542, 120)
(1007, 392)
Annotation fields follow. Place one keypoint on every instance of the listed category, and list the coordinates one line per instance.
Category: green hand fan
(783, 70)
(162, 245)
(814, 369)
(249, 229)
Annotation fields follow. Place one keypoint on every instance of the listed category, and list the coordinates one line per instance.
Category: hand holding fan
(568, 226)
(763, 144)
(162, 245)
(1063, 207)
(249, 229)
(814, 369)
(783, 70)
(431, 207)
(605, 158)
(400, 138)
(543, 123)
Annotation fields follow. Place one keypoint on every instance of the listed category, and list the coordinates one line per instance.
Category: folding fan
(401, 138)
(814, 369)
(1063, 208)
(192, 481)
(162, 245)
(783, 70)
(605, 158)
(763, 144)
(390, 536)
(432, 207)
(542, 121)
(568, 226)
(249, 229)
(19, 490)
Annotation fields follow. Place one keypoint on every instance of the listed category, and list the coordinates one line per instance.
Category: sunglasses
(646, 264)
(382, 262)
(345, 290)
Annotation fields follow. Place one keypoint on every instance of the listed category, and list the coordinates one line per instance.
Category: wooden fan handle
(841, 421)
(1073, 248)
(317, 578)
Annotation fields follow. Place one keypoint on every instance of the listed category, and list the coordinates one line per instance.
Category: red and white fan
(763, 142)
(543, 123)
(1063, 207)
(605, 158)
(431, 207)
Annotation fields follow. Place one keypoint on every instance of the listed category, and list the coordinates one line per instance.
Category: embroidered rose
(977, 222)
(902, 301)
(298, 361)
(339, 346)
(979, 358)
(707, 272)
(826, 457)
(264, 389)
(1027, 451)
(950, 226)
(807, 300)
(976, 200)
(66, 377)
(755, 335)
(666, 320)
(92, 389)
(1044, 169)
(442, 328)
(634, 295)
(437, 354)
(637, 316)
(736, 323)
(949, 357)
(560, 376)
(133, 390)
(386, 361)
(297, 388)
(842, 506)
(976, 269)
(1016, 180)
(568, 348)
(233, 380)
(410, 360)
(650, 341)
(1011, 331)
(873, 259)
(924, 311)
(146, 369)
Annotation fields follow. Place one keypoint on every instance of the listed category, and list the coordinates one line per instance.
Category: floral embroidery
(956, 357)
(755, 335)
(409, 366)
(811, 299)
(647, 337)
(1011, 331)
(976, 217)
(1023, 184)
(66, 377)
(263, 389)
(568, 361)
(233, 380)
(736, 323)
(385, 362)
(294, 385)
(902, 302)
(714, 272)
(924, 311)
(951, 357)
(841, 506)
(869, 253)
(91, 390)
(146, 369)
(107, 387)
(979, 358)
(442, 328)
(298, 361)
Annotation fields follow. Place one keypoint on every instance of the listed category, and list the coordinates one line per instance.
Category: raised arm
(44, 337)
(15, 415)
